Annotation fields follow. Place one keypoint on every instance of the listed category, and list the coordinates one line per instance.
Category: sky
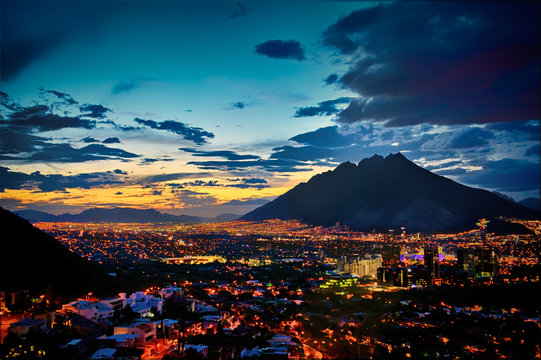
(204, 108)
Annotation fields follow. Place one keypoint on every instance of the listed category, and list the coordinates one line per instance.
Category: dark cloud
(7, 102)
(506, 175)
(331, 79)
(246, 183)
(14, 141)
(533, 151)
(472, 137)
(241, 11)
(33, 30)
(272, 165)
(124, 86)
(443, 63)
(330, 137)
(249, 180)
(127, 86)
(238, 105)
(519, 130)
(195, 134)
(18, 180)
(324, 108)
(40, 118)
(281, 49)
(17, 54)
(94, 111)
(147, 161)
(229, 155)
(89, 139)
(62, 96)
(111, 140)
(65, 153)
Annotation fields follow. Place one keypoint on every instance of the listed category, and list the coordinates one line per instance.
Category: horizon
(211, 108)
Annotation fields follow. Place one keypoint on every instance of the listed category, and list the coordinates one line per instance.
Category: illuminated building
(360, 266)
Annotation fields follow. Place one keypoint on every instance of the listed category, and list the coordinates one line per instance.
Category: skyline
(205, 108)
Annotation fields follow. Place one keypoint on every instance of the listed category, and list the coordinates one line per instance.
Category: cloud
(229, 155)
(472, 137)
(19, 180)
(444, 63)
(124, 86)
(111, 140)
(89, 139)
(94, 111)
(127, 86)
(281, 49)
(62, 96)
(324, 108)
(147, 161)
(241, 11)
(65, 153)
(272, 165)
(246, 183)
(17, 54)
(506, 175)
(533, 151)
(331, 79)
(40, 118)
(238, 105)
(195, 134)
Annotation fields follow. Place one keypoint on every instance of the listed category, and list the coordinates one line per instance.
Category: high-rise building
(431, 264)
(466, 261)
(486, 263)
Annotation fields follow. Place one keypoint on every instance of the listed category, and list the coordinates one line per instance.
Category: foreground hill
(33, 260)
(391, 192)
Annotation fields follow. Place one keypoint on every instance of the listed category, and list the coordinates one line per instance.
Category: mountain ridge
(390, 192)
(119, 215)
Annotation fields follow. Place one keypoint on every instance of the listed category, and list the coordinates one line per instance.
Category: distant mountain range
(381, 193)
(33, 260)
(531, 203)
(120, 215)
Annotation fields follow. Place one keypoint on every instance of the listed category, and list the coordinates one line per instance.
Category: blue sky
(210, 107)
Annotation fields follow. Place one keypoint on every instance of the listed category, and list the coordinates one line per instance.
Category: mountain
(532, 203)
(120, 215)
(33, 260)
(225, 217)
(36, 216)
(503, 196)
(381, 193)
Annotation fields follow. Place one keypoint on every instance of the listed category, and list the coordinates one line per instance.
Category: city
(283, 289)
